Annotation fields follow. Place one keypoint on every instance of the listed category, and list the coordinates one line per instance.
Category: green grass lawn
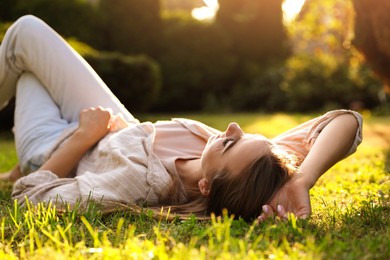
(350, 220)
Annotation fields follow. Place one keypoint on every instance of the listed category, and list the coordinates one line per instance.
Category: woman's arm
(94, 125)
(331, 145)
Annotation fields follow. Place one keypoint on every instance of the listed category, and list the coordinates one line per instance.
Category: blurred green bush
(195, 62)
(135, 80)
(70, 18)
(164, 61)
(317, 83)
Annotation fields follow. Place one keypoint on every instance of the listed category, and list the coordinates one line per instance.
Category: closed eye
(228, 143)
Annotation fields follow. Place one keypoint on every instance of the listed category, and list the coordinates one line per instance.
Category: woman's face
(232, 150)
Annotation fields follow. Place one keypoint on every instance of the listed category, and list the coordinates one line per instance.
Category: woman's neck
(190, 172)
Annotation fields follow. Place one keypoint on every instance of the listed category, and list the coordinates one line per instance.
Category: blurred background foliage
(247, 57)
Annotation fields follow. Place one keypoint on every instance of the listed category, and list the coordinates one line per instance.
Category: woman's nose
(234, 131)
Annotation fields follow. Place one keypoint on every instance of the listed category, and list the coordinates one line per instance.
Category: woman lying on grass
(76, 142)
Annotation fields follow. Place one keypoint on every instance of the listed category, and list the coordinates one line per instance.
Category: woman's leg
(31, 45)
(38, 123)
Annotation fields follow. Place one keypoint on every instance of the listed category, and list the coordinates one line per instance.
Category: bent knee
(26, 20)
(28, 24)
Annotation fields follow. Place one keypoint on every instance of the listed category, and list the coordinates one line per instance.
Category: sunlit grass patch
(49, 234)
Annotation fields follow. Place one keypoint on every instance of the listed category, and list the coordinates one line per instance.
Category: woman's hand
(94, 124)
(293, 198)
(331, 145)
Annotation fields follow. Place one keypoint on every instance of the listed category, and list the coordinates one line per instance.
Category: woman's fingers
(304, 216)
(281, 212)
(96, 115)
(117, 123)
(94, 123)
(267, 213)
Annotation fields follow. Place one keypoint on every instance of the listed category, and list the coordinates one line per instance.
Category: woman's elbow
(347, 123)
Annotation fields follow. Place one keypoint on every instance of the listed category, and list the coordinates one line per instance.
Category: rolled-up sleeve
(301, 138)
(44, 186)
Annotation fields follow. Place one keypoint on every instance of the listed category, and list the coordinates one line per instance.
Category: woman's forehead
(246, 151)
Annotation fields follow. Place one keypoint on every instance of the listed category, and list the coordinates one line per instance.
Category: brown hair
(242, 194)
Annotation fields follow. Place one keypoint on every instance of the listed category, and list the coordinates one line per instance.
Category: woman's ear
(204, 187)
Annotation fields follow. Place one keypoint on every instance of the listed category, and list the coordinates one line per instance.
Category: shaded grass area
(350, 220)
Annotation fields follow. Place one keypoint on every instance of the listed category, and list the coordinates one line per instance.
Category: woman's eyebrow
(230, 146)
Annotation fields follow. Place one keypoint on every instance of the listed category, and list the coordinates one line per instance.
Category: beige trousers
(54, 84)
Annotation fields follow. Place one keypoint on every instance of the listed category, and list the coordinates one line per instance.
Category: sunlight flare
(291, 9)
(207, 12)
